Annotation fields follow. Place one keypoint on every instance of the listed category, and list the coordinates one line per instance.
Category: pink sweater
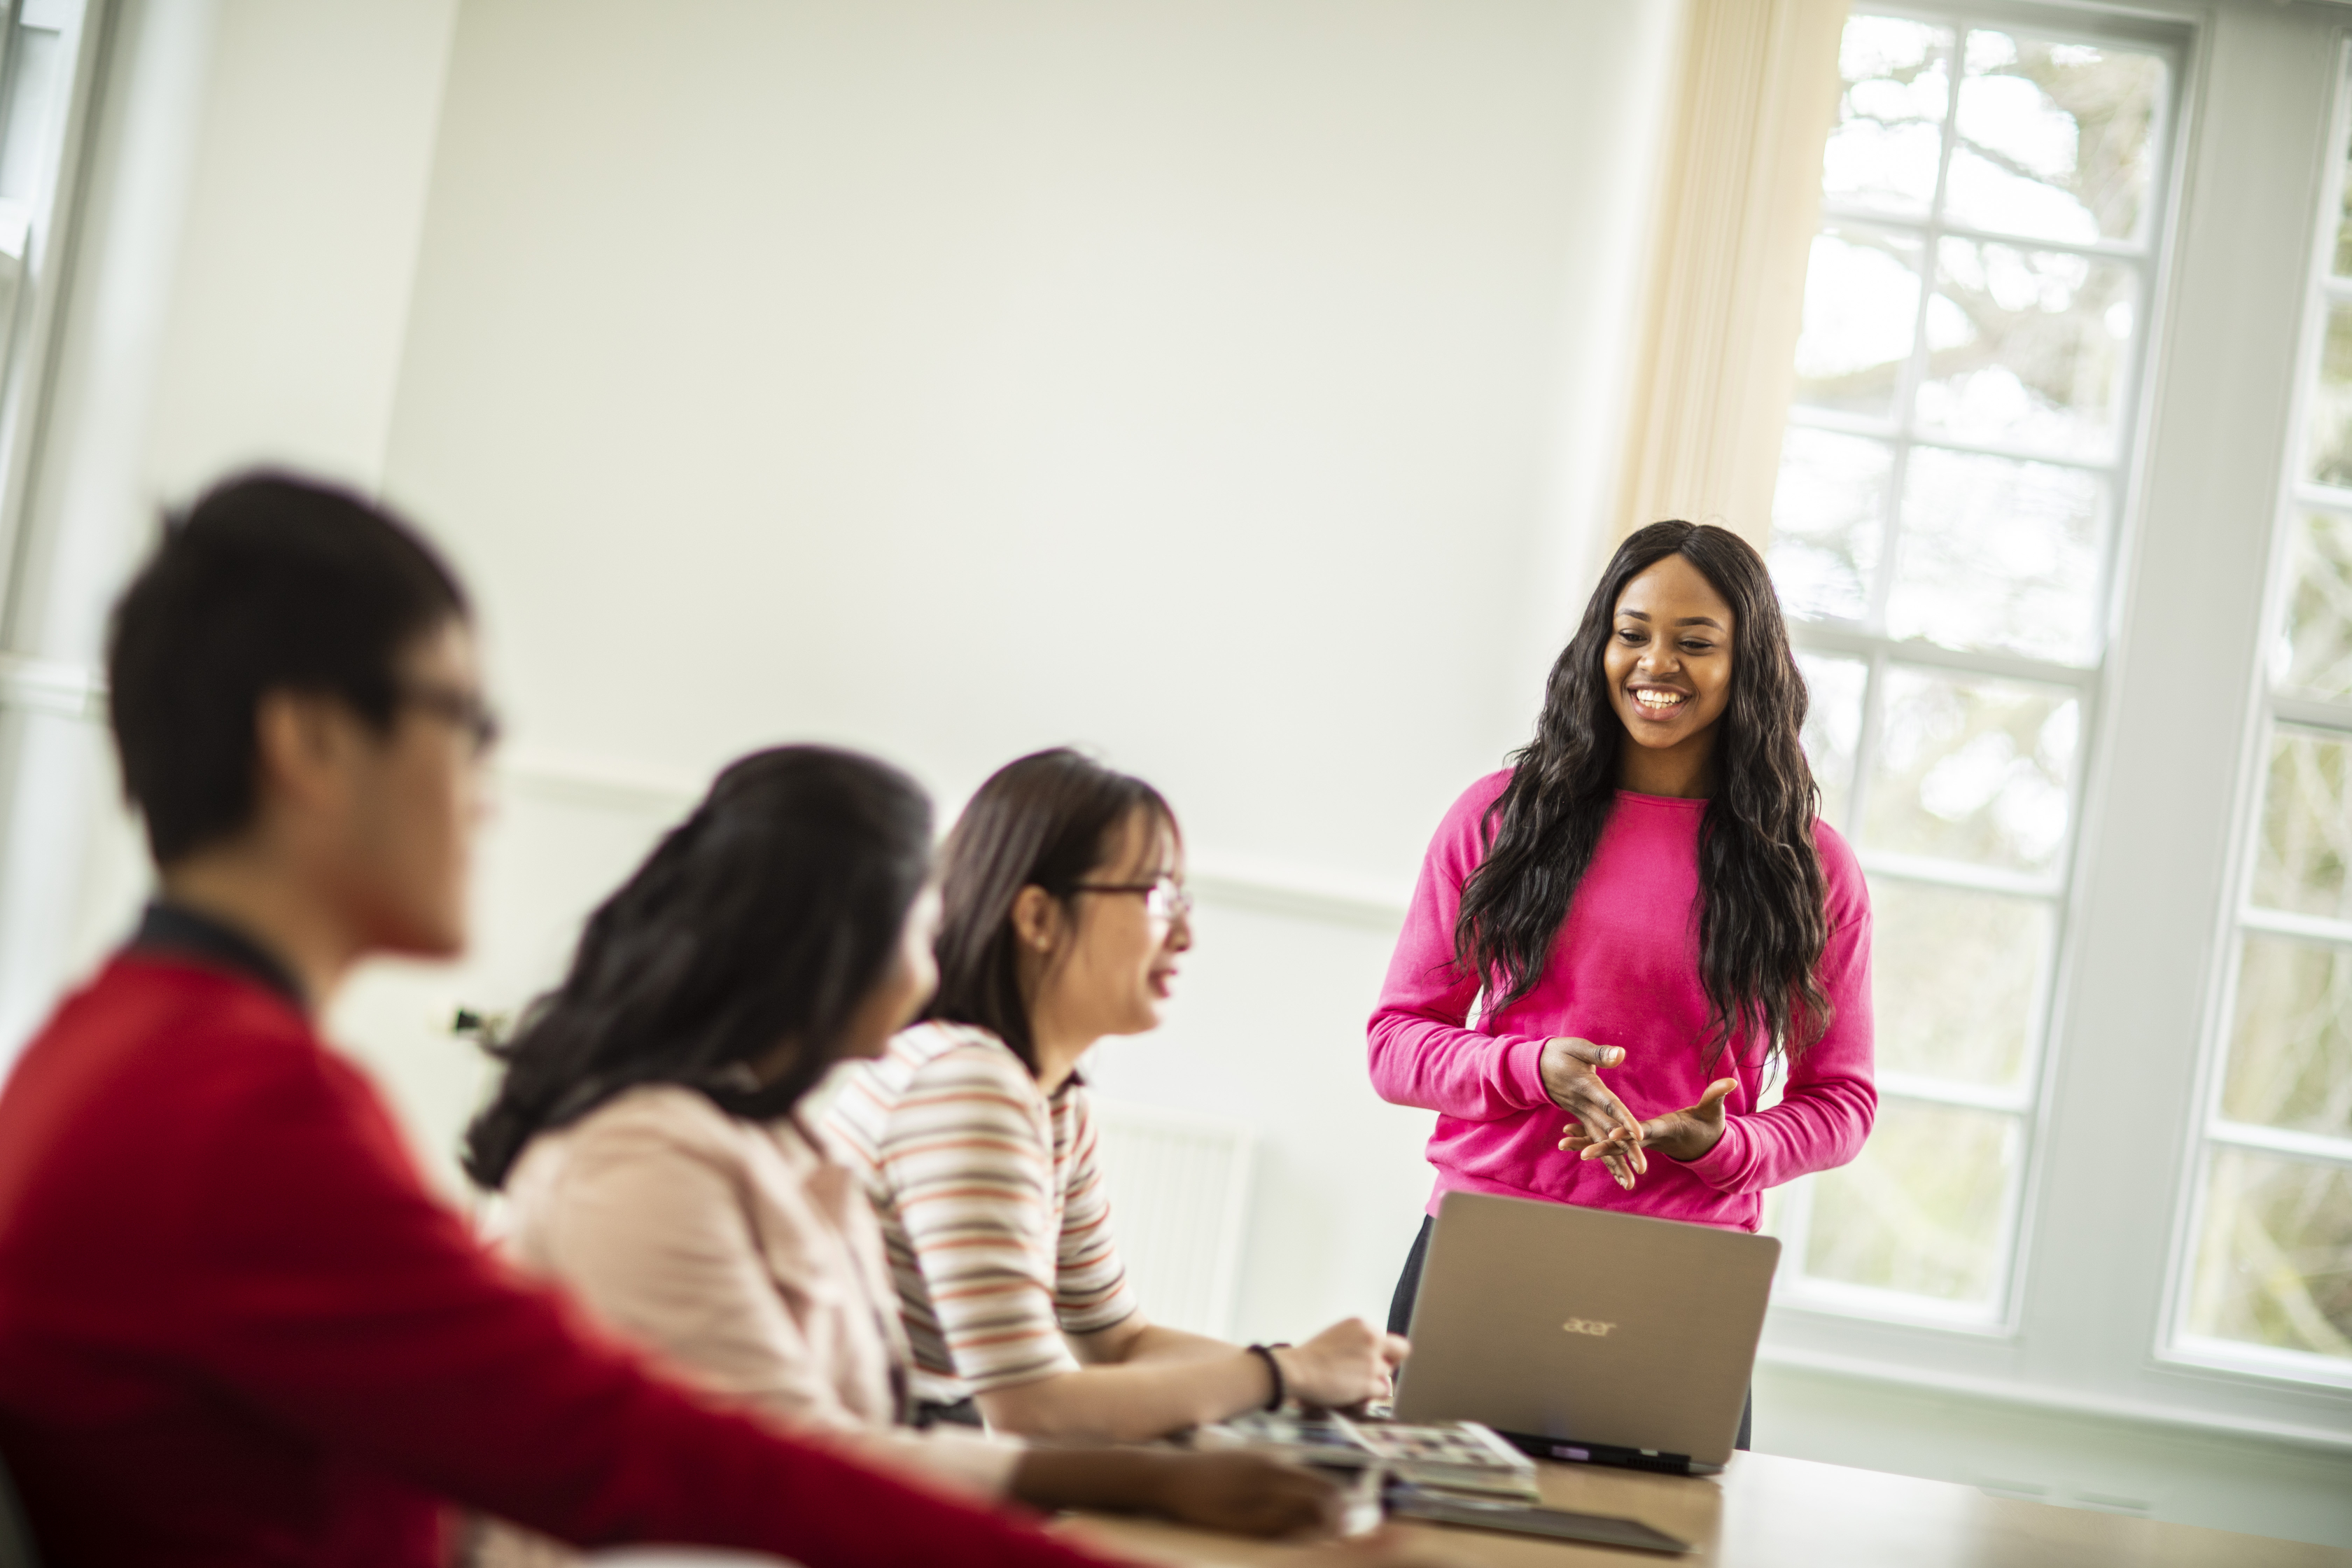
(1623, 972)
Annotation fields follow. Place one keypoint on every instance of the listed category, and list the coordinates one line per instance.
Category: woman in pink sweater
(1647, 921)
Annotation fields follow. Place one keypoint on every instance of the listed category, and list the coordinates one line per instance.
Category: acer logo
(1588, 1326)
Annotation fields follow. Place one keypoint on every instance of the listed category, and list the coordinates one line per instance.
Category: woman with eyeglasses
(647, 1141)
(1064, 918)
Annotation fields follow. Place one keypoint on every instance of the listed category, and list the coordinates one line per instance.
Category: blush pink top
(745, 1259)
(1623, 972)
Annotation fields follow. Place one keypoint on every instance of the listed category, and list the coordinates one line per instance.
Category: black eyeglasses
(464, 711)
(1165, 898)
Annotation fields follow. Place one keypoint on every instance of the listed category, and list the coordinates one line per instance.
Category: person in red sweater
(235, 1328)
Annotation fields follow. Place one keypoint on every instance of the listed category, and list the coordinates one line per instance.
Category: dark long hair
(1044, 821)
(1762, 918)
(760, 921)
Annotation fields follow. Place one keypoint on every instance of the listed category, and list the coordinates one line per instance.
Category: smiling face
(1111, 961)
(1668, 670)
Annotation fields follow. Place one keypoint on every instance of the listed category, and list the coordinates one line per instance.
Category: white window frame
(2147, 254)
(2270, 710)
(2154, 866)
(26, 353)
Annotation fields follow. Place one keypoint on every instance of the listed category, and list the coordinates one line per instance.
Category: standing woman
(1644, 893)
(1063, 919)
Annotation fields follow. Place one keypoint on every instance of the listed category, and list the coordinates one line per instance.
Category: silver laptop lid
(1552, 1320)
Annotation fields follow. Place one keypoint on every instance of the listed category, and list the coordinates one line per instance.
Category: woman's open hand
(1684, 1134)
(1602, 1123)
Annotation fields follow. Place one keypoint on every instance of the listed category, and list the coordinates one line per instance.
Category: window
(2268, 1281)
(1945, 530)
(41, 65)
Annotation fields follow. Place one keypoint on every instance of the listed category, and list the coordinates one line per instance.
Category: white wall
(1193, 382)
(304, 214)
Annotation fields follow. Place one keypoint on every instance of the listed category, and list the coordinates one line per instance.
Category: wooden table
(1765, 1512)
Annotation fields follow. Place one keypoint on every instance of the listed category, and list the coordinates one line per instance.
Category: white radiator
(1179, 1206)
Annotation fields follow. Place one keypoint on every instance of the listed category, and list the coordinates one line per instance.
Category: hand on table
(1684, 1134)
(1602, 1120)
(1345, 1366)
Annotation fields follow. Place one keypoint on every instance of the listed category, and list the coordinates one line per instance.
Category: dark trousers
(1409, 1287)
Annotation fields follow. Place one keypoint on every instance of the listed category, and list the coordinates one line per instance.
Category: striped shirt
(992, 1207)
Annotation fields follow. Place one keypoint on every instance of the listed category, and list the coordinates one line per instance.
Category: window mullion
(1866, 745)
(2311, 713)
(2322, 498)
(2287, 923)
(2320, 1147)
(1826, 636)
(2004, 1101)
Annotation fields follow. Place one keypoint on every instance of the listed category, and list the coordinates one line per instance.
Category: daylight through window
(1944, 534)
(2269, 1265)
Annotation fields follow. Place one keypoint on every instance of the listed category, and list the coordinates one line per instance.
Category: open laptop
(1582, 1334)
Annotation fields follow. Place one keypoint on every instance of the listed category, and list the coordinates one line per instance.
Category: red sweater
(236, 1328)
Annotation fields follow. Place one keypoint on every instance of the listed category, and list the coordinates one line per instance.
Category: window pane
(1828, 512)
(1920, 1209)
(1833, 727)
(2315, 646)
(41, 82)
(1956, 980)
(1862, 309)
(2055, 139)
(1889, 136)
(2026, 347)
(1970, 768)
(2291, 1053)
(2275, 1261)
(2343, 267)
(2306, 832)
(2329, 424)
(2000, 554)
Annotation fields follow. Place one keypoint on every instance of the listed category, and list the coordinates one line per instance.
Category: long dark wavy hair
(1763, 917)
(761, 921)
(1045, 820)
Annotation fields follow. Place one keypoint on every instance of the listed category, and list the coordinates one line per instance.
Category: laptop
(1582, 1334)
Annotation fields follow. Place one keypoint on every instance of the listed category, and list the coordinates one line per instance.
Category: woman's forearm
(1131, 1401)
(1164, 1346)
(1435, 1064)
(1111, 1480)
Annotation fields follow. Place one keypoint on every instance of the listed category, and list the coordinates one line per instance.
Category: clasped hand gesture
(1604, 1130)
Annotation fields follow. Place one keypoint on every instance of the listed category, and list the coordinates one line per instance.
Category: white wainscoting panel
(1180, 1189)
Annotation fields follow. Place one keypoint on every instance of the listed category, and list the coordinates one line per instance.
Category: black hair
(757, 926)
(1044, 821)
(269, 582)
(1763, 917)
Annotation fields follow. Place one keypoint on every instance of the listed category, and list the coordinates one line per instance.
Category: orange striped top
(992, 1206)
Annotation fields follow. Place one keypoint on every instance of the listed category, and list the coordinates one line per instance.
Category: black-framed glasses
(464, 711)
(1165, 898)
